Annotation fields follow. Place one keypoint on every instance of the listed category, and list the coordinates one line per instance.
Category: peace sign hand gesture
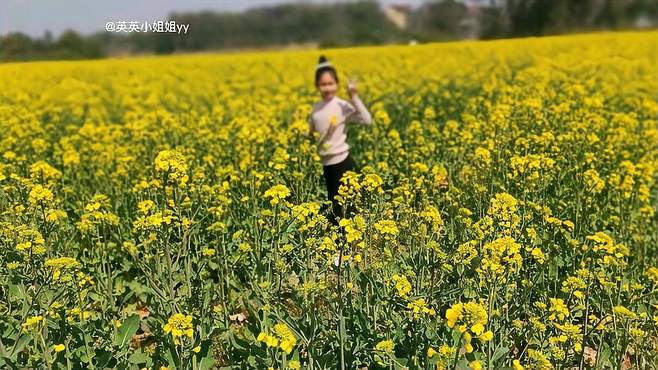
(351, 87)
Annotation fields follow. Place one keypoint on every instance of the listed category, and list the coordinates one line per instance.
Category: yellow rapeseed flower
(179, 325)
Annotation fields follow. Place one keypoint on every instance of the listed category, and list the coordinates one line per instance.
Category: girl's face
(327, 86)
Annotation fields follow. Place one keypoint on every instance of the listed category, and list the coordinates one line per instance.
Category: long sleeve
(361, 114)
(326, 134)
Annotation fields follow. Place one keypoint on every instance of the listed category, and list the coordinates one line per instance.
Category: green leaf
(22, 342)
(139, 357)
(498, 353)
(172, 357)
(207, 362)
(6, 362)
(126, 331)
(470, 293)
(102, 358)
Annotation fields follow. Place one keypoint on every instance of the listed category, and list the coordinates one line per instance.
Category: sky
(34, 17)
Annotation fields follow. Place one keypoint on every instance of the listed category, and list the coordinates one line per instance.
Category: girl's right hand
(331, 130)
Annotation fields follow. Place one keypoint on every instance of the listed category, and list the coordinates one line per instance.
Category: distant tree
(70, 39)
(48, 38)
(492, 23)
(71, 45)
(529, 17)
(15, 46)
(438, 20)
(541, 17)
(338, 24)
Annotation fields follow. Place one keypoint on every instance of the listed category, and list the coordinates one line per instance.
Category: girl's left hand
(351, 87)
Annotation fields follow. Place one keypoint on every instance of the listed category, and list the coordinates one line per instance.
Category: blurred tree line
(344, 24)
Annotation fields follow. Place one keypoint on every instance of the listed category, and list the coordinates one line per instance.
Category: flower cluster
(280, 336)
(470, 319)
(277, 193)
(179, 325)
(173, 165)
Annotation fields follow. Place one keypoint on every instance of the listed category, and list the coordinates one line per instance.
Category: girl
(329, 117)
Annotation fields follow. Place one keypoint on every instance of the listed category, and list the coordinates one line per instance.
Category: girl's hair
(324, 68)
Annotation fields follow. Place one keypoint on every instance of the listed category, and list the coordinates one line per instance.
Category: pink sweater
(332, 145)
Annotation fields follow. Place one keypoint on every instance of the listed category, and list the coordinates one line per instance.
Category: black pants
(332, 175)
